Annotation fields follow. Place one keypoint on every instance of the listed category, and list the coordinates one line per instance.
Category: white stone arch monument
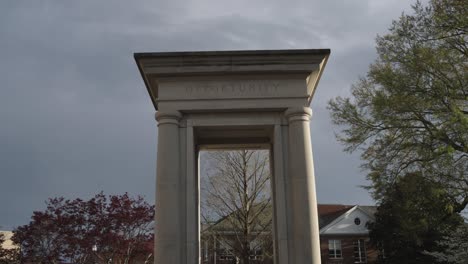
(234, 99)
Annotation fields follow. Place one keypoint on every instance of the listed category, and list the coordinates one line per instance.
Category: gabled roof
(342, 223)
(329, 212)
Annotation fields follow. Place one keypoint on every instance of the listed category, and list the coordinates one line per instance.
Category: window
(381, 251)
(357, 221)
(205, 251)
(334, 248)
(225, 252)
(255, 251)
(225, 255)
(360, 251)
(256, 254)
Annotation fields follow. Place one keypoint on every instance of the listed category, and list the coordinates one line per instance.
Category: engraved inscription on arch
(194, 90)
(255, 88)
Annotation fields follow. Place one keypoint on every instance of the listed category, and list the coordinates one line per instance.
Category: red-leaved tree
(104, 229)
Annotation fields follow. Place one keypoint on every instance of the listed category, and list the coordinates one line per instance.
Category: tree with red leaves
(104, 229)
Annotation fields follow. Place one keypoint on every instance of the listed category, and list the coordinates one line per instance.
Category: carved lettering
(255, 88)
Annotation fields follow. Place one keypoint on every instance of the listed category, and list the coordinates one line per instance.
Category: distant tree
(453, 247)
(237, 195)
(411, 218)
(113, 229)
(410, 113)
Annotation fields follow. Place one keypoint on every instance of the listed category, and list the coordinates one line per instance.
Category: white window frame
(225, 252)
(359, 248)
(256, 252)
(334, 245)
(205, 251)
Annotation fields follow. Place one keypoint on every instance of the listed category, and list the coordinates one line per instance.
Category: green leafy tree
(413, 216)
(410, 113)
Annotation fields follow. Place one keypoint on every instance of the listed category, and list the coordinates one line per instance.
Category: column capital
(298, 114)
(168, 117)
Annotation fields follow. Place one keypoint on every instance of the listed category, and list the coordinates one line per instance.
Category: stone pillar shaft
(305, 237)
(168, 235)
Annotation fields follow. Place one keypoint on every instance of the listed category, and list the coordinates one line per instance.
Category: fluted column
(168, 244)
(305, 229)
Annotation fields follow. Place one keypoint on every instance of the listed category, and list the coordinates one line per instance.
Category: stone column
(168, 244)
(305, 229)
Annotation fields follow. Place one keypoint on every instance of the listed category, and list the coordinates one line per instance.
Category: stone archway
(234, 99)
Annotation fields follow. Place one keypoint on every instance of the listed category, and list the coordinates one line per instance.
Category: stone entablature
(187, 81)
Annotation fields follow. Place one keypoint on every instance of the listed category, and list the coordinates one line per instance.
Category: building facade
(344, 238)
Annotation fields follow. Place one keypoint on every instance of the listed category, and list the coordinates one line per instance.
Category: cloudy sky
(75, 117)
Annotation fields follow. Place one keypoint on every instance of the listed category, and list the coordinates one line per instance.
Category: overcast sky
(75, 117)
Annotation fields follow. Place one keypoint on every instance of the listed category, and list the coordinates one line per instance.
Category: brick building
(344, 238)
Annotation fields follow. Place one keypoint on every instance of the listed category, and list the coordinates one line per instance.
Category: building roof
(327, 214)
(330, 212)
(345, 219)
(369, 209)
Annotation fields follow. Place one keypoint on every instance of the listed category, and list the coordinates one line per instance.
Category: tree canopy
(104, 229)
(410, 112)
(411, 218)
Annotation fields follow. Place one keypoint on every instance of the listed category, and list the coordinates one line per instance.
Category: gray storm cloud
(75, 117)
